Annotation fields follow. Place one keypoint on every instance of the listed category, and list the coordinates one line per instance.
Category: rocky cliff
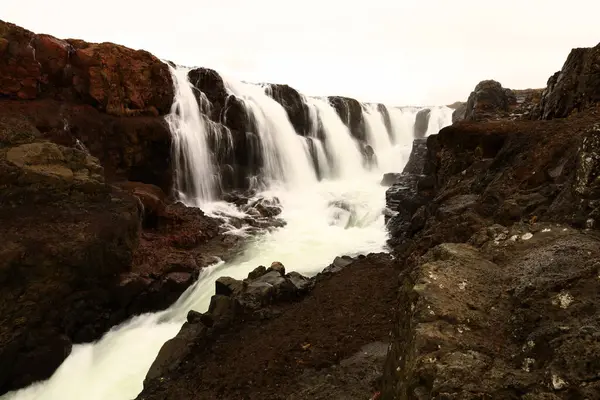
(496, 228)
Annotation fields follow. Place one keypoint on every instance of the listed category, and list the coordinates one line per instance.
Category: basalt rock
(482, 301)
(65, 237)
(351, 113)
(293, 104)
(574, 88)
(422, 123)
(109, 77)
(489, 100)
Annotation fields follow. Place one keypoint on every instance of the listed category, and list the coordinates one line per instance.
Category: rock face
(496, 296)
(103, 97)
(112, 78)
(575, 87)
(421, 123)
(350, 111)
(65, 236)
(293, 104)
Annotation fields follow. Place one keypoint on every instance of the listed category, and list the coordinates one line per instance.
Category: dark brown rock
(575, 87)
(351, 113)
(421, 123)
(489, 100)
(65, 237)
(294, 105)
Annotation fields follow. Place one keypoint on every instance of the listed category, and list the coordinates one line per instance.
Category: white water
(286, 159)
(195, 179)
(317, 231)
(440, 117)
(340, 146)
(324, 219)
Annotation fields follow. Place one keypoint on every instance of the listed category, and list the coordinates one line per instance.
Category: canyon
(471, 273)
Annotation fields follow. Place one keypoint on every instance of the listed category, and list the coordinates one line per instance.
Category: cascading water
(324, 219)
(285, 158)
(195, 179)
(340, 147)
(440, 117)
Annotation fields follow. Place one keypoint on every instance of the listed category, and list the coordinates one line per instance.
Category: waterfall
(440, 117)
(403, 122)
(339, 215)
(340, 147)
(285, 157)
(195, 180)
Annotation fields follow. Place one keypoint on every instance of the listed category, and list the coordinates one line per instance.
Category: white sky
(393, 51)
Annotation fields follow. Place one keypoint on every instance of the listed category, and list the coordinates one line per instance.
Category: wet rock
(417, 159)
(338, 264)
(257, 272)
(175, 350)
(226, 286)
(389, 179)
(421, 123)
(293, 104)
(350, 111)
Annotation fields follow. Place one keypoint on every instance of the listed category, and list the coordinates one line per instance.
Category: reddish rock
(110, 77)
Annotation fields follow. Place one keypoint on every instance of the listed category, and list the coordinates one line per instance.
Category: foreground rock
(79, 256)
(329, 343)
(496, 298)
(65, 235)
(515, 313)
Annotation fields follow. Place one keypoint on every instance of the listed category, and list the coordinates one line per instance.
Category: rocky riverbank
(493, 276)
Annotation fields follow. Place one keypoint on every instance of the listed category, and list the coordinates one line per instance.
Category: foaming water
(440, 117)
(286, 159)
(324, 220)
(195, 179)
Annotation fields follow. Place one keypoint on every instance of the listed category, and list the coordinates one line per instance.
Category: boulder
(489, 100)
(574, 88)
(278, 267)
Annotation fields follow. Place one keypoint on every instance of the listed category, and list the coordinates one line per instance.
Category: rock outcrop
(574, 88)
(65, 235)
(111, 78)
(489, 100)
(496, 296)
(421, 123)
(350, 111)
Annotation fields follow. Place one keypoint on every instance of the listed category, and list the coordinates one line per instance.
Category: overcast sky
(394, 51)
